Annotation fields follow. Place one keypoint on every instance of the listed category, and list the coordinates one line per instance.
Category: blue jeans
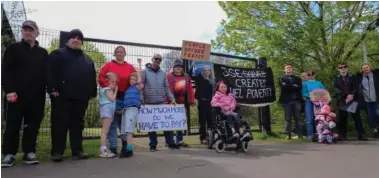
(169, 135)
(373, 117)
(179, 137)
(309, 117)
(116, 124)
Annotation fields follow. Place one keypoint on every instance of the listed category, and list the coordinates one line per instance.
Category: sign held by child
(162, 118)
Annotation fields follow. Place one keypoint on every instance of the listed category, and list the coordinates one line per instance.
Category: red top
(123, 71)
(179, 88)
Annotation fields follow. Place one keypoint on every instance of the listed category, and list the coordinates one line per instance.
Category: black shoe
(80, 155)
(173, 146)
(129, 154)
(153, 149)
(362, 138)
(57, 158)
(8, 161)
(30, 158)
(113, 150)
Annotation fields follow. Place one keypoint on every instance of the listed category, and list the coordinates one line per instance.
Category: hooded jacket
(156, 86)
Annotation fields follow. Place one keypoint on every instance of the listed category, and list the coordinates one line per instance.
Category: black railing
(101, 52)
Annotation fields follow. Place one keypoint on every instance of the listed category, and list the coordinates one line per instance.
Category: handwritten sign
(249, 86)
(162, 118)
(320, 95)
(195, 51)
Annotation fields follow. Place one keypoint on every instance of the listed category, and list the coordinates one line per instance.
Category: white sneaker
(246, 135)
(107, 154)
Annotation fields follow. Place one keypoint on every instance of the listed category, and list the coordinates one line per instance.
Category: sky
(162, 23)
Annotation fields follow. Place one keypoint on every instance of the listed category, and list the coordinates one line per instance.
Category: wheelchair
(220, 135)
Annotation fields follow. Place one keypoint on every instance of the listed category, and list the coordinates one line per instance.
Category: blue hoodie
(309, 86)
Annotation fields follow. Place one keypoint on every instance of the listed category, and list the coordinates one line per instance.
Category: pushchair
(220, 135)
(320, 98)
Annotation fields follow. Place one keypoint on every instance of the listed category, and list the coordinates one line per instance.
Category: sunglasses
(342, 67)
(158, 59)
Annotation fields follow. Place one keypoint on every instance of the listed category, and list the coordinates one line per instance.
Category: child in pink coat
(225, 100)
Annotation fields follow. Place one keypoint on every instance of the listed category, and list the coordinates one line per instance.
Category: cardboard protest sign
(320, 95)
(196, 51)
(162, 118)
(249, 86)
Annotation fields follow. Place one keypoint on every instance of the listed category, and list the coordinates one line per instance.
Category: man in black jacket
(24, 83)
(345, 93)
(71, 84)
(368, 90)
(290, 97)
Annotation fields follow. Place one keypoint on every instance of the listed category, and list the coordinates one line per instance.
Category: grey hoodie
(155, 86)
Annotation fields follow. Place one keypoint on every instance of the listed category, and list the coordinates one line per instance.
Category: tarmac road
(343, 160)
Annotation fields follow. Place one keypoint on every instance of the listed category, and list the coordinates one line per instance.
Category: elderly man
(369, 94)
(156, 89)
(24, 83)
(71, 84)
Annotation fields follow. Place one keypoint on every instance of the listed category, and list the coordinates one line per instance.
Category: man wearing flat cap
(24, 83)
(71, 84)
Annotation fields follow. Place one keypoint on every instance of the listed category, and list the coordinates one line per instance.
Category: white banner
(162, 118)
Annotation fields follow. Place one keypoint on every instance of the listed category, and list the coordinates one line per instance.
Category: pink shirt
(226, 102)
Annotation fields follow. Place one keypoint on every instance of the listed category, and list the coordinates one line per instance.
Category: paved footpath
(344, 160)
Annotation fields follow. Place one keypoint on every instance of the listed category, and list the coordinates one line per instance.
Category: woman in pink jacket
(225, 100)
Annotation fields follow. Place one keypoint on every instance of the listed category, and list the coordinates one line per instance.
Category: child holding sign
(107, 100)
(225, 100)
(132, 103)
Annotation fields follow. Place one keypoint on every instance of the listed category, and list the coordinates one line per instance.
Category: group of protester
(362, 88)
(68, 75)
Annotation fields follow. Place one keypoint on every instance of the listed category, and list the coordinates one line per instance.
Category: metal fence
(101, 52)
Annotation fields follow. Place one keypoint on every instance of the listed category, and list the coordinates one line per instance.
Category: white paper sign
(162, 118)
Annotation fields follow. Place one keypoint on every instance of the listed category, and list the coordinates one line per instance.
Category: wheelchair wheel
(210, 139)
(220, 146)
(245, 146)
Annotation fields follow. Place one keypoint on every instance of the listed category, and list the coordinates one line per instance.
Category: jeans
(373, 117)
(179, 137)
(169, 135)
(309, 117)
(116, 124)
(292, 109)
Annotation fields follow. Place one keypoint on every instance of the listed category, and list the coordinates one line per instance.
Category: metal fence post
(187, 105)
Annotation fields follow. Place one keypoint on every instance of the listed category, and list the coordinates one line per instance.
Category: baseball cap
(31, 24)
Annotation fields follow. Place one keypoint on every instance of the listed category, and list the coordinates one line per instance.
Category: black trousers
(32, 112)
(342, 123)
(205, 116)
(67, 115)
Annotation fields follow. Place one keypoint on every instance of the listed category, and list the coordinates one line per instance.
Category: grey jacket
(155, 86)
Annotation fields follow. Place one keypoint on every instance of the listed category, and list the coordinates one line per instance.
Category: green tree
(92, 118)
(311, 35)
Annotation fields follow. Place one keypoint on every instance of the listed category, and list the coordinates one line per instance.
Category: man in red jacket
(181, 86)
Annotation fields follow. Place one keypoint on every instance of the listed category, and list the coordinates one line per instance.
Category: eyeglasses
(158, 59)
(342, 67)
